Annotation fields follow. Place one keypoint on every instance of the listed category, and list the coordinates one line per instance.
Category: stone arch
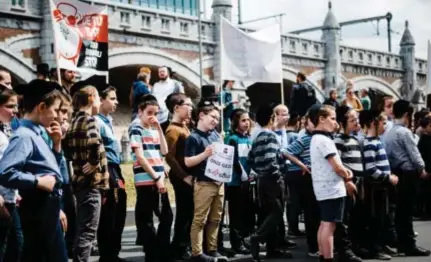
(17, 66)
(25, 41)
(318, 75)
(365, 82)
(119, 57)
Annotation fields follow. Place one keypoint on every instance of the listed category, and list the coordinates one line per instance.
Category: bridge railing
(370, 58)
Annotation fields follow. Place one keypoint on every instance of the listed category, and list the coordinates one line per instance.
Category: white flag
(252, 57)
(429, 68)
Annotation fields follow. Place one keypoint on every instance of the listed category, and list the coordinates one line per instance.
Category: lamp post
(199, 12)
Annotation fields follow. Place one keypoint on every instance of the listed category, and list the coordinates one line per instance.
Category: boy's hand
(1, 201)
(351, 188)
(63, 221)
(393, 179)
(154, 122)
(55, 132)
(46, 183)
(161, 185)
(209, 151)
(89, 168)
(188, 180)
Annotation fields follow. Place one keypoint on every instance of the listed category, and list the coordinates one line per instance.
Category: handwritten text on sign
(219, 165)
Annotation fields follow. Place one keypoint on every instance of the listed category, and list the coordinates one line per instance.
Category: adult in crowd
(67, 79)
(42, 72)
(351, 99)
(141, 86)
(365, 99)
(161, 90)
(303, 96)
(332, 99)
(5, 79)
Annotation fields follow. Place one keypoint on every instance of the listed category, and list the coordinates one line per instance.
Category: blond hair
(82, 97)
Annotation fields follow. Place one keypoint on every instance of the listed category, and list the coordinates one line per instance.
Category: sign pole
(221, 77)
(281, 42)
(52, 7)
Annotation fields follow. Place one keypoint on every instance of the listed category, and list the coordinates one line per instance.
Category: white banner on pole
(220, 165)
(81, 36)
(250, 57)
(429, 68)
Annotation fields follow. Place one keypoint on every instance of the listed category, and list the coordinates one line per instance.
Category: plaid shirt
(83, 144)
(6, 129)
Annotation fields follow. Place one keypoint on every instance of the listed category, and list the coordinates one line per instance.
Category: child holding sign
(208, 193)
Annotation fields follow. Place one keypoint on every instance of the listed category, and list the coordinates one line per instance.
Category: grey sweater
(401, 149)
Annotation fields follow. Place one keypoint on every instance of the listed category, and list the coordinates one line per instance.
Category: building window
(379, 59)
(166, 24)
(341, 53)
(420, 66)
(388, 60)
(370, 57)
(293, 45)
(350, 54)
(52, 48)
(125, 18)
(184, 28)
(179, 7)
(153, 3)
(170, 5)
(305, 47)
(18, 3)
(396, 61)
(146, 21)
(316, 48)
(203, 31)
(361, 56)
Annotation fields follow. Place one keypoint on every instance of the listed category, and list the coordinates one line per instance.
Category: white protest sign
(220, 164)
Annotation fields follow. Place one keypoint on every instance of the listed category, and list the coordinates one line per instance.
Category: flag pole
(55, 41)
(221, 77)
(281, 42)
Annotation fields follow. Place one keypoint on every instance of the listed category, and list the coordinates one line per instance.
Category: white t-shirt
(326, 183)
(161, 90)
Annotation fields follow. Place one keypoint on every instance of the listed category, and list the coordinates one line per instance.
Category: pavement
(133, 253)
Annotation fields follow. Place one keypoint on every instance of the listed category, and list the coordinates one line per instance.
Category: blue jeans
(11, 239)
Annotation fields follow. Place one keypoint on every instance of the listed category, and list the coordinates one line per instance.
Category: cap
(99, 82)
(42, 68)
(36, 89)
(341, 113)
(313, 111)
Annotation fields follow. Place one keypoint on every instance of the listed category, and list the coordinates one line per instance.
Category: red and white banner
(81, 36)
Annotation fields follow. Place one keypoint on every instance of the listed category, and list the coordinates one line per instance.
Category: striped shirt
(300, 148)
(350, 152)
(376, 160)
(265, 155)
(291, 136)
(148, 140)
(83, 144)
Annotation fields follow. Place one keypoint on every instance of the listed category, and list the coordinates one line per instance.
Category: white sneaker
(313, 254)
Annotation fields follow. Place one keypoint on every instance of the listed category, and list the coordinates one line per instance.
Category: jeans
(88, 205)
(11, 239)
(69, 210)
(43, 237)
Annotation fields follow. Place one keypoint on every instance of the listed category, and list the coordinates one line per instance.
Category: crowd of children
(354, 176)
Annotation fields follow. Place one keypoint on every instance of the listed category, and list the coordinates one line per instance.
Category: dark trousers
(271, 198)
(88, 205)
(358, 224)
(184, 214)
(311, 214)
(341, 238)
(43, 237)
(11, 239)
(405, 202)
(69, 209)
(156, 245)
(237, 198)
(297, 195)
(111, 224)
(112, 218)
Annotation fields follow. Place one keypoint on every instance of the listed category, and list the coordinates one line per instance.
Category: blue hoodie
(139, 89)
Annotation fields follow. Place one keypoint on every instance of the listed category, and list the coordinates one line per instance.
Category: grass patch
(127, 170)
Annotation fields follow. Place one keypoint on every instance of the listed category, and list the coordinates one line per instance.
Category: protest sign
(220, 164)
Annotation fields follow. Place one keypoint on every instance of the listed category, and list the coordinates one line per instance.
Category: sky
(302, 14)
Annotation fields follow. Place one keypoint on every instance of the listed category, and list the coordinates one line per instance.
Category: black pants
(156, 245)
(297, 195)
(271, 198)
(405, 202)
(237, 198)
(11, 239)
(183, 216)
(69, 209)
(43, 238)
(341, 238)
(311, 214)
(112, 218)
(358, 224)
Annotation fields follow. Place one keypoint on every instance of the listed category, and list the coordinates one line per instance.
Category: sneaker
(313, 254)
(242, 250)
(382, 256)
(203, 258)
(253, 244)
(219, 257)
(349, 256)
(390, 251)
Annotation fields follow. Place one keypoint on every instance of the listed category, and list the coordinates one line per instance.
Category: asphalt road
(134, 253)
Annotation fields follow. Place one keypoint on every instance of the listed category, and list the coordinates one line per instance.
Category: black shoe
(349, 256)
(296, 233)
(253, 244)
(390, 251)
(381, 256)
(277, 254)
(241, 250)
(219, 257)
(286, 243)
(203, 258)
(415, 252)
(183, 255)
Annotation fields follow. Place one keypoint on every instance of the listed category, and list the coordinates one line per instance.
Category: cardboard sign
(220, 164)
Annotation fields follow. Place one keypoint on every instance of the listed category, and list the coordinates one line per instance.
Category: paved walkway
(134, 254)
